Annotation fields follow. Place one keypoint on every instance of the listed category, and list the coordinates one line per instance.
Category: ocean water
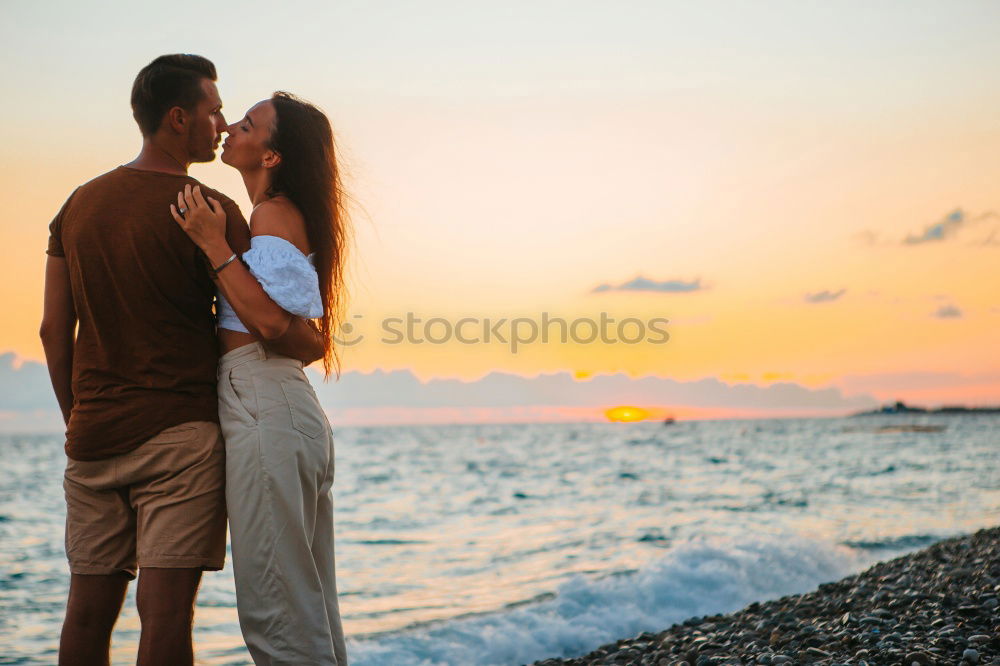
(503, 544)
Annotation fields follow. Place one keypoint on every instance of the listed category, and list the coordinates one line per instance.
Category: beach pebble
(918, 658)
(934, 607)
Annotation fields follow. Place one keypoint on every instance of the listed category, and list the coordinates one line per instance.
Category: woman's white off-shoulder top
(287, 276)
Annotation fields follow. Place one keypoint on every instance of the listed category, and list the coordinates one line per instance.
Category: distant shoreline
(946, 410)
(937, 606)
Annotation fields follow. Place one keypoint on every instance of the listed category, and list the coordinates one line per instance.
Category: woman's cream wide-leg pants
(279, 472)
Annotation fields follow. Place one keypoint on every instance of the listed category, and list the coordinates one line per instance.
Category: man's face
(207, 124)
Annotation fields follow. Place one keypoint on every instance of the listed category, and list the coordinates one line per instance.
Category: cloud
(949, 226)
(927, 388)
(824, 296)
(945, 229)
(499, 389)
(24, 387)
(991, 240)
(26, 396)
(916, 381)
(947, 312)
(640, 283)
(27, 403)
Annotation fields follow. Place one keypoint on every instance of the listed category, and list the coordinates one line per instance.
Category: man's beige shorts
(162, 505)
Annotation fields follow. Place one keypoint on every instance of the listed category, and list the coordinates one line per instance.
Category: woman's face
(246, 146)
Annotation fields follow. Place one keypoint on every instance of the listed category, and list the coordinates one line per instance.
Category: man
(145, 475)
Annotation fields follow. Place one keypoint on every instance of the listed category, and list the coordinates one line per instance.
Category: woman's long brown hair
(309, 176)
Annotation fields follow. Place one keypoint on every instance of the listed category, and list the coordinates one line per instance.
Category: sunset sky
(809, 191)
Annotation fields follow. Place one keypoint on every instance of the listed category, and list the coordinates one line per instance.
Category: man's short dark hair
(169, 81)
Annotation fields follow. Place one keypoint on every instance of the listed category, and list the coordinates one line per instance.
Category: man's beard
(204, 152)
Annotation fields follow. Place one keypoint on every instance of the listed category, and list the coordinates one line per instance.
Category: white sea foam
(697, 577)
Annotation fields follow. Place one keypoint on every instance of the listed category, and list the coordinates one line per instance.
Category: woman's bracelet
(224, 264)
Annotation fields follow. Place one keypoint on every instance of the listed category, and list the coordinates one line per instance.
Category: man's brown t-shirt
(145, 354)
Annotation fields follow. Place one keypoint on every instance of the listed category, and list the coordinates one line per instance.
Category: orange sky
(788, 159)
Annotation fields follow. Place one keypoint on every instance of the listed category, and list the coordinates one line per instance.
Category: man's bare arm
(58, 331)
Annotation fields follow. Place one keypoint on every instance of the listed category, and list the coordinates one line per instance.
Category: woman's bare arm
(302, 341)
(285, 333)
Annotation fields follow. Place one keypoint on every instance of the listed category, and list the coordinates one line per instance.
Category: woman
(279, 445)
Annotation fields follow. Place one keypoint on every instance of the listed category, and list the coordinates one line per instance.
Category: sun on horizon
(626, 413)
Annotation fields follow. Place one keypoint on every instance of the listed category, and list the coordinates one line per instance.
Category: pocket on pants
(244, 393)
(307, 416)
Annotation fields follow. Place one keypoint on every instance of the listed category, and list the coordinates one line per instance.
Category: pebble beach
(936, 606)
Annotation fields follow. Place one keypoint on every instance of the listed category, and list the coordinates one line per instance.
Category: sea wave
(702, 576)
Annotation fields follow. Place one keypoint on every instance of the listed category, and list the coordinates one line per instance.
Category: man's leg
(91, 611)
(177, 485)
(165, 598)
(100, 546)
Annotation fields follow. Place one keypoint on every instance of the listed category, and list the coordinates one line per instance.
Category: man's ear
(177, 119)
(270, 160)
